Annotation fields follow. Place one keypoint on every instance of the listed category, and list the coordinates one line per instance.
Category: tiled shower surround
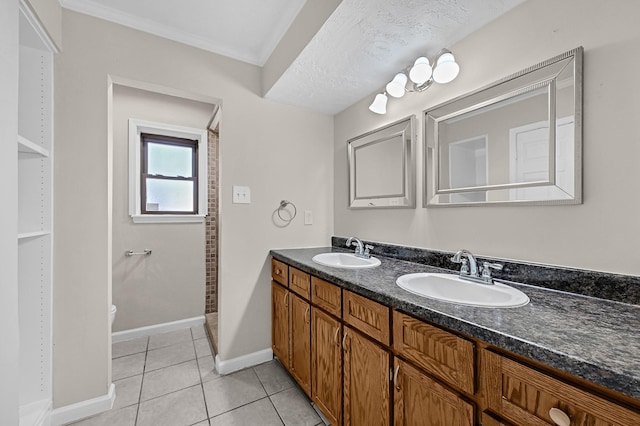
(211, 228)
(617, 287)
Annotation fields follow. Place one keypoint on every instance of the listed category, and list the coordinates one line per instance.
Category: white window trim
(136, 128)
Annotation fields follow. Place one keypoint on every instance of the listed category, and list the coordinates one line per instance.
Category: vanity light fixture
(420, 76)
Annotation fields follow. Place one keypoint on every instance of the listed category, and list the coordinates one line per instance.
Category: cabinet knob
(559, 417)
(344, 341)
(278, 271)
(307, 317)
(335, 337)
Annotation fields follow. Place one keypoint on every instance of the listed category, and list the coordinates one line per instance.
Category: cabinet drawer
(326, 296)
(299, 282)
(525, 396)
(445, 355)
(280, 272)
(367, 316)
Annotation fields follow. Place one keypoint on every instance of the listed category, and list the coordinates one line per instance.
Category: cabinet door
(420, 400)
(526, 397)
(300, 348)
(280, 323)
(366, 381)
(326, 369)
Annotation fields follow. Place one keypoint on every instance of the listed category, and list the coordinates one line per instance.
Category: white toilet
(113, 313)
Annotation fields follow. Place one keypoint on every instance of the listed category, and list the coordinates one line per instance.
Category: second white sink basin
(345, 260)
(450, 288)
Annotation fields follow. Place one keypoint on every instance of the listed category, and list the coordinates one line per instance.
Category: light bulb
(446, 68)
(379, 104)
(396, 87)
(421, 71)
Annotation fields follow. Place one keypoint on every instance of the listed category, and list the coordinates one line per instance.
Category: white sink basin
(345, 260)
(450, 288)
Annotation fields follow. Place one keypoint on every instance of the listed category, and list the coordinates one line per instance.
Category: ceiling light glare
(396, 87)
(379, 104)
(446, 69)
(421, 70)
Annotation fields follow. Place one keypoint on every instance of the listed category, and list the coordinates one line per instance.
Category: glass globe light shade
(420, 71)
(379, 104)
(396, 87)
(446, 69)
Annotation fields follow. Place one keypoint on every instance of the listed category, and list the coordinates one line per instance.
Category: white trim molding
(150, 330)
(136, 128)
(82, 409)
(228, 366)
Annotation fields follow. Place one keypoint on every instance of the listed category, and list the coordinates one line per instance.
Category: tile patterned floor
(170, 380)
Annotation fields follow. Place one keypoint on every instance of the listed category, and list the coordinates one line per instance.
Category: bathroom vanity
(370, 353)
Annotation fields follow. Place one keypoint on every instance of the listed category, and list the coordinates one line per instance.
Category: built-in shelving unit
(35, 238)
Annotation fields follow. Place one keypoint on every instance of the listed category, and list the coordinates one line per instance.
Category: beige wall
(50, 15)
(280, 152)
(596, 235)
(169, 285)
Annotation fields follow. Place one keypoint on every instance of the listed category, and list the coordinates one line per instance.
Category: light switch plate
(241, 195)
(308, 217)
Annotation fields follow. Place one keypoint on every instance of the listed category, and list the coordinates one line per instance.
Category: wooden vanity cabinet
(526, 396)
(363, 363)
(280, 322)
(326, 365)
(366, 381)
(420, 400)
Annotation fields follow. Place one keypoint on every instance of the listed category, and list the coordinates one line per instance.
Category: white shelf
(28, 147)
(34, 234)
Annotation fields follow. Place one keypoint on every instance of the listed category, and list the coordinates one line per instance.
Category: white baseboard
(234, 364)
(80, 410)
(150, 330)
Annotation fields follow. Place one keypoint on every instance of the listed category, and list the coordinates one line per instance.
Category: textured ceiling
(355, 53)
(365, 42)
(247, 30)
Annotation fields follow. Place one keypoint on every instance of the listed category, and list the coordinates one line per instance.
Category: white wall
(280, 152)
(600, 234)
(169, 285)
(9, 366)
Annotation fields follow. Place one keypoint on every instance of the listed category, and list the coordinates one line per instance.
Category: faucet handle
(367, 247)
(464, 268)
(487, 267)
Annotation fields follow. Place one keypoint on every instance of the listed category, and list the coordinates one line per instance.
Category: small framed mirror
(382, 167)
(517, 141)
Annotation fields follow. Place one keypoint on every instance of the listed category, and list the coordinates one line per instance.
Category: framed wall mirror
(517, 141)
(382, 167)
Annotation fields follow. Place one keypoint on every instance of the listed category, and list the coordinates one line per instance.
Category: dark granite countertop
(595, 339)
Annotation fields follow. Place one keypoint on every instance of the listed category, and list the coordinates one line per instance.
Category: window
(167, 173)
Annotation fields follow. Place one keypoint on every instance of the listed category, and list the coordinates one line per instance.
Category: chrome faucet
(362, 250)
(473, 264)
(469, 269)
